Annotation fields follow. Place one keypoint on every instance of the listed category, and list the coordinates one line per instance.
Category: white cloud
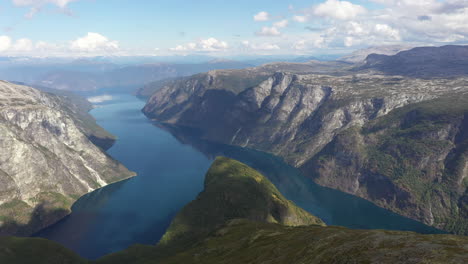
(300, 45)
(342, 10)
(94, 42)
(356, 29)
(100, 98)
(5, 43)
(260, 46)
(300, 19)
(262, 16)
(43, 46)
(210, 44)
(37, 5)
(281, 24)
(387, 31)
(268, 32)
(349, 41)
(59, 3)
(312, 43)
(23, 44)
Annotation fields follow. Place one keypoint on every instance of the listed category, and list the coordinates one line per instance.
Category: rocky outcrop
(297, 115)
(412, 160)
(47, 160)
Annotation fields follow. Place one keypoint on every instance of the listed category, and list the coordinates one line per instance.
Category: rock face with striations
(302, 116)
(47, 160)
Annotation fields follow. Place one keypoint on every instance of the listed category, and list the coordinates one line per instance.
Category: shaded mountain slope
(422, 62)
(47, 160)
(296, 116)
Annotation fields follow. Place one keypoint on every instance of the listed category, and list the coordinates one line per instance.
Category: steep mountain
(241, 217)
(422, 62)
(47, 159)
(78, 108)
(298, 116)
(232, 190)
(359, 56)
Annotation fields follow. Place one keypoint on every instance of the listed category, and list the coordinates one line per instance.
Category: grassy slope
(233, 190)
(248, 242)
(35, 250)
(216, 234)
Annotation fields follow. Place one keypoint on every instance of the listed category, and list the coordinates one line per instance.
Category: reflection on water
(171, 173)
(137, 210)
(334, 207)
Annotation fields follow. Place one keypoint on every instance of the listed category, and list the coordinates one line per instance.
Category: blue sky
(159, 27)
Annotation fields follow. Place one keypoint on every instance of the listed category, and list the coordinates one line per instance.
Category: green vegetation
(233, 190)
(421, 149)
(242, 241)
(241, 217)
(20, 218)
(35, 250)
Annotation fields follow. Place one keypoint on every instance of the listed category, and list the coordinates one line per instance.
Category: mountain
(47, 160)
(232, 190)
(240, 217)
(360, 55)
(423, 62)
(241, 78)
(301, 116)
(78, 107)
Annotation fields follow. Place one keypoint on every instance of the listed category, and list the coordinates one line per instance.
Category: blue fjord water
(171, 169)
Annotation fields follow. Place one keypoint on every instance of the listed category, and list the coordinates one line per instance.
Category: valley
(353, 147)
(300, 116)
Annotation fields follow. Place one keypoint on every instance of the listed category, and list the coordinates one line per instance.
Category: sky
(224, 28)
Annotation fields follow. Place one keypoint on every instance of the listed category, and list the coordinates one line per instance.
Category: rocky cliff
(47, 160)
(297, 116)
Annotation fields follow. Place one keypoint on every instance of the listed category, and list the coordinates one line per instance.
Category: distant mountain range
(422, 62)
(360, 55)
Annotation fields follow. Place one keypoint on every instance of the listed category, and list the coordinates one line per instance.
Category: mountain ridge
(297, 115)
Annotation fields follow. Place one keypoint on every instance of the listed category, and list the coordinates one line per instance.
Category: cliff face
(47, 160)
(412, 160)
(297, 115)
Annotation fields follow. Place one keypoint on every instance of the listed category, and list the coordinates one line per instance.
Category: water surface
(171, 168)
(138, 210)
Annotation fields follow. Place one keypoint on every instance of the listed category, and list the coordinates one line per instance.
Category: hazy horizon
(85, 28)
